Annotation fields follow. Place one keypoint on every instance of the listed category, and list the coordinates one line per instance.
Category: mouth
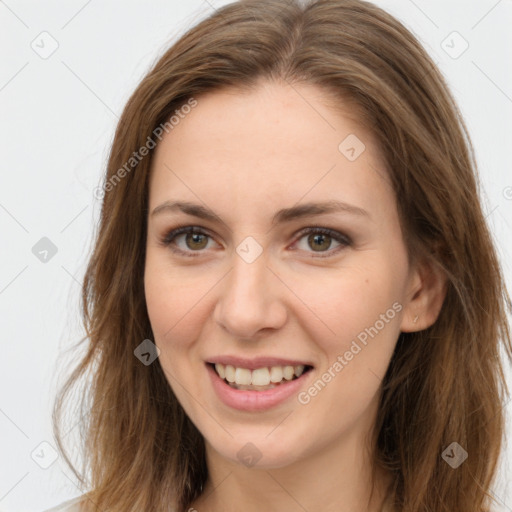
(259, 379)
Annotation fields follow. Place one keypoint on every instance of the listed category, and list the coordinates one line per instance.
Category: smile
(264, 386)
(259, 379)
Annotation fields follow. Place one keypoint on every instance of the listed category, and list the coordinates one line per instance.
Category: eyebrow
(282, 216)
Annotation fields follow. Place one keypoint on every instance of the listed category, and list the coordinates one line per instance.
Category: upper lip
(256, 362)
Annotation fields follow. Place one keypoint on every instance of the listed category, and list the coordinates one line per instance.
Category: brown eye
(196, 241)
(319, 240)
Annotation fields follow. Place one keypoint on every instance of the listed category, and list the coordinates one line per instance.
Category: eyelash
(169, 237)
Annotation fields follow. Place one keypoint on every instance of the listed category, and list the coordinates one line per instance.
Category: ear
(426, 293)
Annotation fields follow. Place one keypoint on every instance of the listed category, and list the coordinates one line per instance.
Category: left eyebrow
(313, 209)
(281, 216)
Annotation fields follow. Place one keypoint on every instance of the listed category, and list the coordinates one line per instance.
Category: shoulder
(72, 505)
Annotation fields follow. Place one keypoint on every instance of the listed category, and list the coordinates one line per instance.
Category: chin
(256, 448)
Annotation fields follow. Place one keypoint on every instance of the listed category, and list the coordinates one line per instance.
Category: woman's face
(255, 292)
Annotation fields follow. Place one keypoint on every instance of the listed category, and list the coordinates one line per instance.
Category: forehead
(276, 143)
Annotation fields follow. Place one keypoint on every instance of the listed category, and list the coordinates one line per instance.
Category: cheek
(365, 317)
(341, 303)
(174, 309)
(364, 312)
(175, 300)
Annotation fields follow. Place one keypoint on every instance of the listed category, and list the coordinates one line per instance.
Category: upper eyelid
(201, 230)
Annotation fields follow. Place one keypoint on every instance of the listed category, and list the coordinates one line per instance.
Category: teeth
(260, 377)
(276, 374)
(243, 376)
(288, 372)
(298, 370)
(248, 379)
(230, 373)
(220, 370)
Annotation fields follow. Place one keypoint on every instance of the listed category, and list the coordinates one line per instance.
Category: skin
(246, 155)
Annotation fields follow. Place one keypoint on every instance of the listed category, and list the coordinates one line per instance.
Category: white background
(57, 121)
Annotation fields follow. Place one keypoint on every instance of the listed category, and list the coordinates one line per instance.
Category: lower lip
(254, 400)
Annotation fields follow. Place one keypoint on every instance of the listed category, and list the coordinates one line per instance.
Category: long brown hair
(444, 384)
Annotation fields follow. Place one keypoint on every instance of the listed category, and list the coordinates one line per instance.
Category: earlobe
(427, 294)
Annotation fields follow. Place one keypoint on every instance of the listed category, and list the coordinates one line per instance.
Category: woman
(293, 301)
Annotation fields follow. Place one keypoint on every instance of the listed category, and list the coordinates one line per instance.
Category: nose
(249, 301)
